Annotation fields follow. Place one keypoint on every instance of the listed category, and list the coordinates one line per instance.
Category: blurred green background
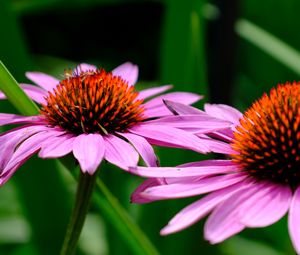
(229, 51)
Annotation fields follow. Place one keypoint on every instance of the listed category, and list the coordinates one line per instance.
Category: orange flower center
(267, 141)
(93, 102)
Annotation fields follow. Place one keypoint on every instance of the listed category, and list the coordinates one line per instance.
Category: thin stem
(85, 188)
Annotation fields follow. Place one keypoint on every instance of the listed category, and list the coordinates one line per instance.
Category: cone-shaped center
(93, 102)
(267, 140)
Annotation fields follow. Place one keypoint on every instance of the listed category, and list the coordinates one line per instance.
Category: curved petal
(223, 112)
(143, 147)
(56, 147)
(83, 67)
(199, 209)
(45, 81)
(89, 150)
(182, 109)
(266, 206)
(37, 94)
(187, 189)
(203, 170)
(156, 107)
(294, 220)
(170, 137)
(145, 93)
(136, 195)
(127, 71)
(119, 152)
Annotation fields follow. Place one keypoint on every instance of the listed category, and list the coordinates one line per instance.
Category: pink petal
(143, 148)
(89, 150)
(182, 109)
(169, 136)
(56, 147)
(83, 67)
(188, 188)
(199, 123)
(266, 206)
(294, 220)
(223, 112)
(156, 107)
(127, 71)
(45, 81)
(136, 195)
(6, 119)
(224, 222)
(199, 209)
(145, 93)
(217, 146)
(119, 152)
(205, 169)
(37, 94)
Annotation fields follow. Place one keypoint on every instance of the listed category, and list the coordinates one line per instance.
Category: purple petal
(143, 148)
(45, 81)
(217, 146)
(170, 137)
(83, 67)
(6, 119)
(156, 107)
(199, 123)
(37, 94)
(145, 93)
(199, 209)
(223, 112)
(137, 198)
(294, 220)
(119, 152)
(182, 109)
(56, 147)
(127, 71)
(89, 150)
(187, 189)
(223, 222)
(224, 166)
(266, 206)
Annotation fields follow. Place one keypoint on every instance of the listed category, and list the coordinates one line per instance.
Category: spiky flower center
(93, 102)
(267, 140)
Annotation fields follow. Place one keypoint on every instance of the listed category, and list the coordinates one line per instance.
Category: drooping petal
(7, 118)
(266, 206)
(170, 137)
(182, 109)
(199, 209)
(187, 189)
(119, 152)
(128, 71)
(45, 81)
(224, 166)
(83, 67)
(224, 112)
(217, 146)
(143, 147)
(37, 94)
(294, 220)
(145, 93)
(56, 147)
(136, 195)
(89, 150)
(156, 107)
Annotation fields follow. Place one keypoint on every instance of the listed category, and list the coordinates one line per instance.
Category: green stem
(85, 188)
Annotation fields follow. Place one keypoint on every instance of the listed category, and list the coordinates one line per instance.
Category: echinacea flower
(257, 183)
(95, 115)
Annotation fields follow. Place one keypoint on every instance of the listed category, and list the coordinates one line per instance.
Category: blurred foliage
(230, 52)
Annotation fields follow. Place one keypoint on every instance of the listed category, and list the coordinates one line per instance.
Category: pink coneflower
(96, 115)
(255, 186)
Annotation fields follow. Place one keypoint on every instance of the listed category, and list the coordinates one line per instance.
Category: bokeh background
(229, 51)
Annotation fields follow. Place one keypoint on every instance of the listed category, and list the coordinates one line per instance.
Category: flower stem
(84, 193)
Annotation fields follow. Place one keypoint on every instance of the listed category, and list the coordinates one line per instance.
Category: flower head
(95, 115)
(255, 186)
